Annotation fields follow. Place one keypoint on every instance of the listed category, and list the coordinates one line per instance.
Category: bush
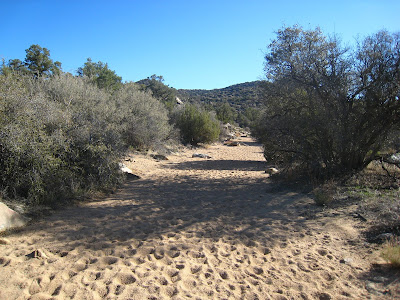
(329, 111)
(143, 120)
(55, 141)
(196, 125)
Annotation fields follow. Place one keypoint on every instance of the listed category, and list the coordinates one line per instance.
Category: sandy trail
(192, 228)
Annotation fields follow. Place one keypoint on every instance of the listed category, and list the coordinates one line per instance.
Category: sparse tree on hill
(100, 74)
(159, 90)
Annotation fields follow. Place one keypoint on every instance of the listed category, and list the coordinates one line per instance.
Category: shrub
(196, 125)
(142, 119)
(55, 141)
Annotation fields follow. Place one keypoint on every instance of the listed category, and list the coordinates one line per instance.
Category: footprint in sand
(109, 260)
(125, 278)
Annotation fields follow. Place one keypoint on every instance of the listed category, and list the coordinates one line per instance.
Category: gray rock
(201, 155)
(384, 237)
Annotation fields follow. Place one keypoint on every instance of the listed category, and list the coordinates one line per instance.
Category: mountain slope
(240, 95)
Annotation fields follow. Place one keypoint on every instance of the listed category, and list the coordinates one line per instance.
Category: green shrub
(196, 125)
(55, 139)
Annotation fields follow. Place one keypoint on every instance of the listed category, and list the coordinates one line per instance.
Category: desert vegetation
(62, 135)
(329, 109)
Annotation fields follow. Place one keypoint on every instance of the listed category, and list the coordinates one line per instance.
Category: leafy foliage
(144, 121)
(329, 110)
(37, 63)
(196, 125)
(155, 85)
(100, 74)
(63, 136)
(225, 113)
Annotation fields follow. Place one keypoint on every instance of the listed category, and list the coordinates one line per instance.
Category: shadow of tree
(241, 165)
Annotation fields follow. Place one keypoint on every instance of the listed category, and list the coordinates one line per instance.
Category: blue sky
(194, 44)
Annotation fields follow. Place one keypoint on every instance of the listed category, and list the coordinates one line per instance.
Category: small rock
(380, 279)
(384, 237)
(201, 155)
(127, 171)
(37, 254)
(272, 171)
(346, 261)
(159, 156)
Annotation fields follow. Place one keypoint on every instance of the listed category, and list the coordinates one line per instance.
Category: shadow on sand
(228, 209)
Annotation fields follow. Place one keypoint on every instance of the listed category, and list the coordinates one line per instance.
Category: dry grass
(324, 194)
(391, 252)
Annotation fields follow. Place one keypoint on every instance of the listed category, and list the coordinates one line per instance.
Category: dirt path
(192, 228)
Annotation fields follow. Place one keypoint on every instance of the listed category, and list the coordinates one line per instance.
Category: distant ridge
(240, 95)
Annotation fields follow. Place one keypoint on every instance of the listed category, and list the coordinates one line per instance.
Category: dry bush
(143, 120)
(391, 252)
(55, 141)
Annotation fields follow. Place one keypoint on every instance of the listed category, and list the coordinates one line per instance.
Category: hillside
(239, 95)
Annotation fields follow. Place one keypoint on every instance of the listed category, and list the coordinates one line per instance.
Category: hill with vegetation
(238, 96)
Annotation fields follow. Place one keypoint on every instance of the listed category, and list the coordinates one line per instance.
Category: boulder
(10, 219)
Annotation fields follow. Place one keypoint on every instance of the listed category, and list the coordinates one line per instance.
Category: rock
(10, 219)
(395, 158)
(201, 155)
(231, 143)
(346, 261)
(178, 101)
(159, 156)
(234, 143)
(127, 171)
(272, 171)
(384, 237)
(37, 254)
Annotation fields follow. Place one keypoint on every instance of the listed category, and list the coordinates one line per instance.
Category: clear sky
(193, 44)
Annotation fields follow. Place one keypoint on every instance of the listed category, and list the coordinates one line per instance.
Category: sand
(194, 228)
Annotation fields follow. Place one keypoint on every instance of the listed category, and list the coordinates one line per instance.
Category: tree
(329, 110)
(37, 62)
(159, 90)
(225, 112)
(100, 74)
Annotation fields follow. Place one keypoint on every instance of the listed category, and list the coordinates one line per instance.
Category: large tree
(329, 109)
